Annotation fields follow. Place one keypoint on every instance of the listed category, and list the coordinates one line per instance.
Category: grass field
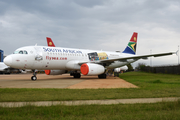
(157, 111)
(150, 86)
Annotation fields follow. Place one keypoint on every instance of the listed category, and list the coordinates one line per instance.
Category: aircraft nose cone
(8, 60)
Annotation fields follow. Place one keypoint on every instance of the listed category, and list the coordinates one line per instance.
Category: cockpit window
(20, 52)
(25, 52)
(16, 52)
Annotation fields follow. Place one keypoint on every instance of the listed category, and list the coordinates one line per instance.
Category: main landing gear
(75, 74)
(102, 76)
(34, 78)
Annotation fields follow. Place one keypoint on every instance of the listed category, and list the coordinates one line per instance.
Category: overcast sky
(93, 24)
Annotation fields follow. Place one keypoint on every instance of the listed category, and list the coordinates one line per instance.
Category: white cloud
(102, 24)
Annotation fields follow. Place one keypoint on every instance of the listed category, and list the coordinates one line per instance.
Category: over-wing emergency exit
(57, 60)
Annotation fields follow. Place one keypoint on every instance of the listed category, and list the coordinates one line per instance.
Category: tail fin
(131, 47)
(50, 42)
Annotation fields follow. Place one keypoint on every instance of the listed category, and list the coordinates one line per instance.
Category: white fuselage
(57, 58)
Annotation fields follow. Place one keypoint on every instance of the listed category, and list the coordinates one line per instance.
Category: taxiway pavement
(61, 81)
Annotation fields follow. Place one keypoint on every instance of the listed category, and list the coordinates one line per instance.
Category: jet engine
(55, 72)
(117, 69)
(92, 69)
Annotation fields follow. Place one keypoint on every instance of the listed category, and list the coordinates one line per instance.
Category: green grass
(157, 111)
(150, 86)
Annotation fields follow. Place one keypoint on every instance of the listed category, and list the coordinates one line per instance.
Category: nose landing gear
(34, 78)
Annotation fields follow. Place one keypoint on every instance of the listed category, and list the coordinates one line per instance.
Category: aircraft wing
(123, 59)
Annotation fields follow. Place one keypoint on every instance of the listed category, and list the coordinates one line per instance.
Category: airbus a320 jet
(50, 43)
(59, 60)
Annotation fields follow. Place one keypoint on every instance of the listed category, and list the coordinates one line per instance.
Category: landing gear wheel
(34, 78)
(102, 76)
(77, 75)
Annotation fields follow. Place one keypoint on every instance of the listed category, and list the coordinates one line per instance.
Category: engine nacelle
(54, 72)
(123, 68)
(92, 69)
(117, 69)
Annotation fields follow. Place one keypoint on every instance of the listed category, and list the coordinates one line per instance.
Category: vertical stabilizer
(50, 42)
(131, 47)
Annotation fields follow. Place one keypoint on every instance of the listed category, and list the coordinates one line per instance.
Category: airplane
(50, 43)
(60, 60)
(4, 69)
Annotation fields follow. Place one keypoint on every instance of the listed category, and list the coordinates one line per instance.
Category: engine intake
(92, 69)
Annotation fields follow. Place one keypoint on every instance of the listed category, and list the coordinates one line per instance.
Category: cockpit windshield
(20, 52)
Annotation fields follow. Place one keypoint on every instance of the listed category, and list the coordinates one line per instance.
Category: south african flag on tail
(131, 47)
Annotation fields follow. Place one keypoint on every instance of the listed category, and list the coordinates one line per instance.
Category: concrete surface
(61, 81)
(89, 102)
